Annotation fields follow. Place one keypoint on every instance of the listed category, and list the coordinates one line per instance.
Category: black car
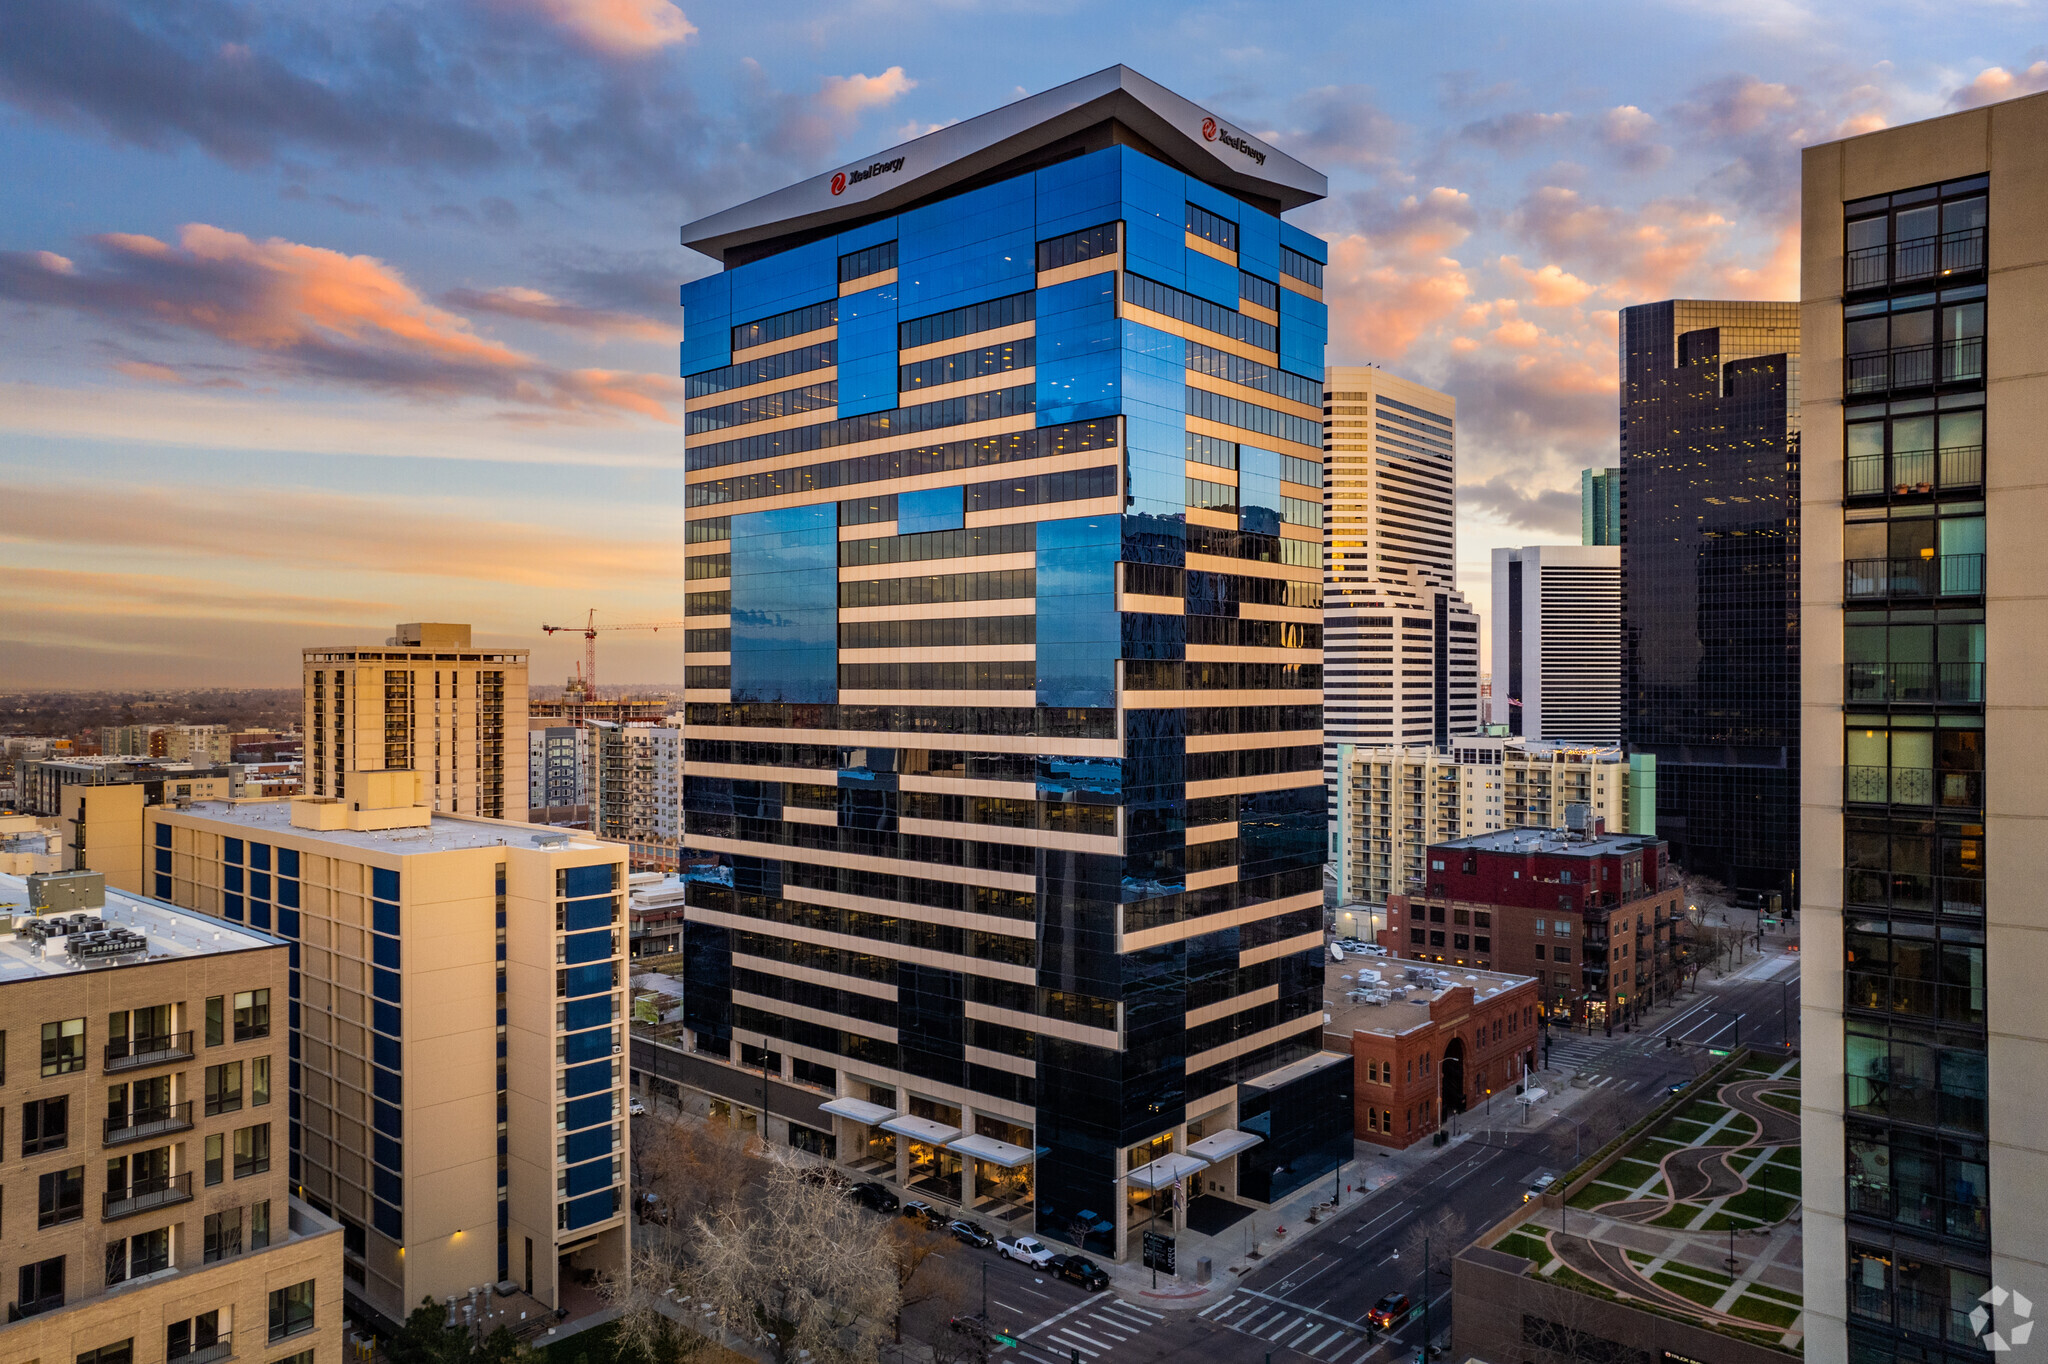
(1078, 1269)
(872, 1195)
(925, 1212)
(971, 1234)
(1389, 1312)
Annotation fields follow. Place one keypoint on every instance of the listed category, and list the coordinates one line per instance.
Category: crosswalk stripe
(1325, 1343)
(1215, 1305)
(1314, 1328)
(1249, 1321)
(1123, 1333)
(1285, 1329)
(1088, 1350)
(1125, 1322)
(1128, 1307)
(1075, 1332)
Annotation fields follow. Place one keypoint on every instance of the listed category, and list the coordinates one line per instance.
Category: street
(1309, 1301)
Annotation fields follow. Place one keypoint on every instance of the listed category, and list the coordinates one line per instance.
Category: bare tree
(804, 1271)
(694, 1168)
(645, 1331)
(910, 1243)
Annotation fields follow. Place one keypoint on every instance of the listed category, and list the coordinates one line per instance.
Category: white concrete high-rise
(1400, 642)
(1557, 642)
(1389, 479)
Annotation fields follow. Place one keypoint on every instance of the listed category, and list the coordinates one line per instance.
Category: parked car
(971, 1234)
(1537, 1189)
(636, 1108)
(1025, 1249)
(1680, 1087)
(872, 1195)
(1079, 1269)
(925, 1212)
(1372, 949)
(1388, 1312)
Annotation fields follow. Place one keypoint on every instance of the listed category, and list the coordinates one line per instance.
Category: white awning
(921, 1129)
(993, 1151)
(860, 1110)
(1168, 1169)
(1531, 1096)
(1221, 1145)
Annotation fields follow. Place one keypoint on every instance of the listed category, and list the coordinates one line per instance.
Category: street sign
(1001, 1339)
(1159, 1252)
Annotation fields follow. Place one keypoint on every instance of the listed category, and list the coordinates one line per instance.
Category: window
(1561, 954)
(60, 1197)
(224, 1088)
(1539, 929)
(216, 1016)
(1539, 950)
(215, 1159)
(1212, 227)
(40, 1286)
(64, 1047)
(120, 1352)
(259, 1225)
(182, 1338)
(291, 1310)
(252, 1015)
(45, 1125)
(1416, 936)
(252, 1150)
(259, 1082)
(223, 1235)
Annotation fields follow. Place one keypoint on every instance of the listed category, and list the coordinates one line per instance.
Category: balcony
(136, 1052)
(147, 1194)
(223, 1348)
(1922, 258)
(1915, 683)
(1911, 473)
(1911, 367)
(148, 1122)
(1912, 786)
(1946, 575)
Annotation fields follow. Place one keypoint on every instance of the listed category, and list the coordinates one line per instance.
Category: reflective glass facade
(1008, 773)
(1710, 599)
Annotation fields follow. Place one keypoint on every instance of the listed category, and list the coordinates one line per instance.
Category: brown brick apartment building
(1426, 1042)
(1583, 913)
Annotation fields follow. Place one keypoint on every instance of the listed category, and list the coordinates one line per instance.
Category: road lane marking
(1291, 1324)
(1069, 1339)
(1215, 1305)
(1032, 1330)
(1143, 1312)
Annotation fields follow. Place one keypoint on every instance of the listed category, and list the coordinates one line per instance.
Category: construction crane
(589, 630)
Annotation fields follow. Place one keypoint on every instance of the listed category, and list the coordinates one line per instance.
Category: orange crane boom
(589, 630)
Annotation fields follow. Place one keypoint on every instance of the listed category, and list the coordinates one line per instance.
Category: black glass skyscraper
(1710, 580)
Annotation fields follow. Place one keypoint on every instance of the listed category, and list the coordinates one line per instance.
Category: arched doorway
(1454, 1077)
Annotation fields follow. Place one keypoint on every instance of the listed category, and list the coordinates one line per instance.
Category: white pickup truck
(1025, 1248)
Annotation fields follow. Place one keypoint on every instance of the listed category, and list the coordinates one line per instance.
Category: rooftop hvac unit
(106, 946)
(59, 892)
(59, 926)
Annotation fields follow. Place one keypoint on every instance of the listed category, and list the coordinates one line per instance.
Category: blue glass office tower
(1004, 674)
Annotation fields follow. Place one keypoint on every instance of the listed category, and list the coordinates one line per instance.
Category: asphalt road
(1309, 1302)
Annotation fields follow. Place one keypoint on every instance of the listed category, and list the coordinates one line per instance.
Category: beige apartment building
(457, 1008)
(427, 701)
(30, 844)
(1396, 802)
(149, 1214)
(1924, 721)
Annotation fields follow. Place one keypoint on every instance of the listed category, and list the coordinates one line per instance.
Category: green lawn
(1787, 1155)
(1655, 1149)
(1522, 1244)
(1705, 1294)
(1721, 1221)
(1704, 1275)
(1776, 1294)
(1757, 1309)
(1596, 1193)
(1679, 1217)
(1704, 1113)
(1630, 1171)
(1760, 1206)
(1784, 1102)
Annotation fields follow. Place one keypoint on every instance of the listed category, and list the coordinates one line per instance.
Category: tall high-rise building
(456, 1008)
(1923, 1023)
(1390, 492)
(1600, 506)
(1004, 479)
(425, 701)
(1710, 580)
(1401, 643)
(1557, 642)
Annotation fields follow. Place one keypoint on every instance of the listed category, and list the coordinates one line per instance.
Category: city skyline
(393, 301)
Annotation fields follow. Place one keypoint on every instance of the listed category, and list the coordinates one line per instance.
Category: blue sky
(318, 317)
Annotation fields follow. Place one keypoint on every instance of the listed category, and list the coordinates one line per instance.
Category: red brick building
(1425, 1046)
(1584, 914)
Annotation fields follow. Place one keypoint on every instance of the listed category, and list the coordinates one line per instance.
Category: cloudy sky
(321, 316)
